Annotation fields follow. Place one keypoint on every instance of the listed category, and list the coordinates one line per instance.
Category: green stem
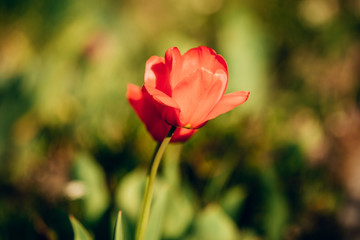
(150, 179)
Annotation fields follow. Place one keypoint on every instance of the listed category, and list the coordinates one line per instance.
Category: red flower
(183, 91)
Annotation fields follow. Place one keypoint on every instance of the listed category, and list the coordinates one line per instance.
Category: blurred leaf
(170, 164)
(179, 212)
(177, 207)
(277, 210)
(180, 207)
(13, 104)
(80, 232)
(119, 234)
(242, 42)
(218, 181)
(157, 213)
(214, 224)
(96, 199)
(232, 201)
(129, 193)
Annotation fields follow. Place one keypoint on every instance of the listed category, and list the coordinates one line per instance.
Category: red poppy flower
(184, 91)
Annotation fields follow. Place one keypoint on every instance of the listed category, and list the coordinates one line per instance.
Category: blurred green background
(285, 165)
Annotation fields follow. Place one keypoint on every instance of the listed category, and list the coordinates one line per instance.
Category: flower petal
(198, 94)
(145, 108)
(182, 134)
(166, 106)
(135, 98)
(228, 102)
(157, 74)
(203, 57)
(161, 97)
(173, 61)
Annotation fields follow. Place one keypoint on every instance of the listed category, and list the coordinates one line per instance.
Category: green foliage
(90, 174)
(282, 166)
(119, 233)
(80, 232)
(212, 223)
(156, 219)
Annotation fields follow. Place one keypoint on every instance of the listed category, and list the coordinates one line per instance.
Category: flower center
(188, 126)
